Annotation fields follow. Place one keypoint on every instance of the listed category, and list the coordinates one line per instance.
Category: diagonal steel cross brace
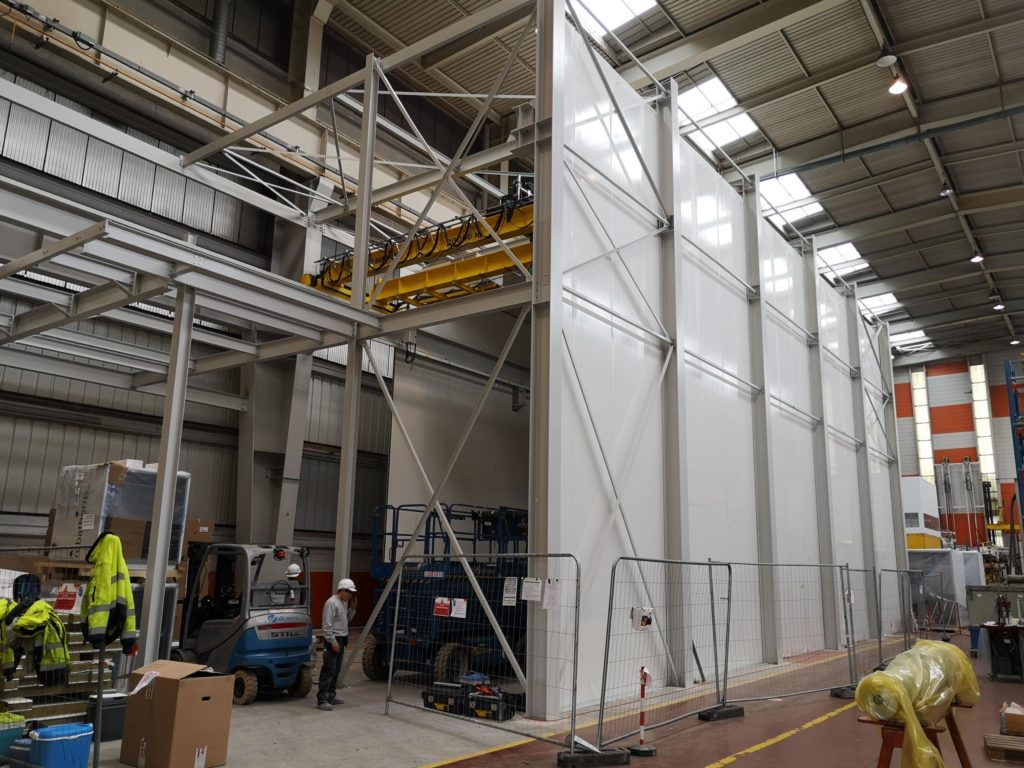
(433, 506)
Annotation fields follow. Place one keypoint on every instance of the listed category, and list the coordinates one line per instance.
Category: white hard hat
(347, 584)
(294, 570)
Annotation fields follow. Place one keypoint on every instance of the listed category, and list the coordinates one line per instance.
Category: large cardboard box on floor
(180, 717)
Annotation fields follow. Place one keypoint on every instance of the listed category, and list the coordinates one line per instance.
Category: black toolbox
(445, 697)
(497, 707)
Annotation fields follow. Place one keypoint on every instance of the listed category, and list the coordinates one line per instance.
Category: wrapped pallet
(918, 687)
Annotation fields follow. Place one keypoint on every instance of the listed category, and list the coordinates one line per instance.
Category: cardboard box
(1013, 720)
(198, 530)
(180, 718)
(134, 536)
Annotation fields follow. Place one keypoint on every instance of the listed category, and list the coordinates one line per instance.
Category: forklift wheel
(303, 684)
(246, 686)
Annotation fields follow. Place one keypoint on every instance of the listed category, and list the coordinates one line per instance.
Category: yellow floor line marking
(480, 753)
(781, 737)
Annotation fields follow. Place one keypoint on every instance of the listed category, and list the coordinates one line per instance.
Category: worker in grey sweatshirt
(339, 610)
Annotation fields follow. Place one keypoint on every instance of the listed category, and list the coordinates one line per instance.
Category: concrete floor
(285, 731)
(807, 730)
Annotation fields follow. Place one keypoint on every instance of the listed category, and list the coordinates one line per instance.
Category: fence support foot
(643, 750)
(845, 692)
(586, 759)
(723, 712)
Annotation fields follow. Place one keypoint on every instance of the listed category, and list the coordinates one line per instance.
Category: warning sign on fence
(443, 606)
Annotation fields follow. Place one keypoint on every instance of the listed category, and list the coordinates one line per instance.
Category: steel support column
(354, 363)
(291, 470)
(895, 489)
(762, 415)
(546, 327)
(167, 474)
(822, 466)
(677, 524)
(867, 523)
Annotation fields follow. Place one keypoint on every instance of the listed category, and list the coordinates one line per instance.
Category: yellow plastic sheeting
(919, 686)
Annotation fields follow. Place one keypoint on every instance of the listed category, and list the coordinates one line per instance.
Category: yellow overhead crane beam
(446, 281)
(513, 219)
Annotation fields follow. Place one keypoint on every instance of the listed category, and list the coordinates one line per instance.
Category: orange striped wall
(999, 401)
(944, 369)
(952, 418)
(956, 455)
(904, 401)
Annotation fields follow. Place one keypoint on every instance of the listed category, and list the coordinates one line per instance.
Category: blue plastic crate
(61, 746)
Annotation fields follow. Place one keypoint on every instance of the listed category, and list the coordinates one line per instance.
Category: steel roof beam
(947, 273)
(920, 215)
(980, 313)
(44, 294)
(495, 300)
(80, 306)
(937, 118)
(50, 250)
(839, 71)
(107, 377)
(452, 33)
(725, 36)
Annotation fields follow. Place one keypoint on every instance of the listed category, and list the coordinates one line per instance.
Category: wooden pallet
(1005, 749)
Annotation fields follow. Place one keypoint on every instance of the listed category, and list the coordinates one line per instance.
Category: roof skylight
(842, 260)
(909, 336)
(782, 191)
(611, 13)
(881, 305)
(707, 99)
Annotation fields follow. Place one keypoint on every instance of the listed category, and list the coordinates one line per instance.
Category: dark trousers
(329, 672)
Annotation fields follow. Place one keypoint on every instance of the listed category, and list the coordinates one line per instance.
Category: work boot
(335, 700)
(324, 706)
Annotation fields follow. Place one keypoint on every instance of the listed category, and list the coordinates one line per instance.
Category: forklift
(246, 612)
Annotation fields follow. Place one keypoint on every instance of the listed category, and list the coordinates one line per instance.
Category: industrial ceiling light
(1014, 342)
(899, 85)
(977, 258)
(885, 60)
(946, 190)
(998, 306)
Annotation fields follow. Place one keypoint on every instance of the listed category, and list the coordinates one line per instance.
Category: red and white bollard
(643, 749)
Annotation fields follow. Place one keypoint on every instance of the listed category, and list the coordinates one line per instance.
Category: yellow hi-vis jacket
(40, 623)
(108, 609)
(7, 659)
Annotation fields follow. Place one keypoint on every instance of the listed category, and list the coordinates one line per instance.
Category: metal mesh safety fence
(672, 619)
(499, 647)
(790, 630)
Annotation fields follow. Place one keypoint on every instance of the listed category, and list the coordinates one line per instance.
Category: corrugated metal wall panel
(169, 195)
(33, 453)
(213, 469)
(907, 439)
(323, 424)
(318, 496)
(226, 217)
(60, 150)
(137, 182)
(1002, 447)
(198, 211)
(66, 157)
(951, 389)
(27, 133)
(103, 167)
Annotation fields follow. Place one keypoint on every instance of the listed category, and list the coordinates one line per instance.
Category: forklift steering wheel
(278, 592)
